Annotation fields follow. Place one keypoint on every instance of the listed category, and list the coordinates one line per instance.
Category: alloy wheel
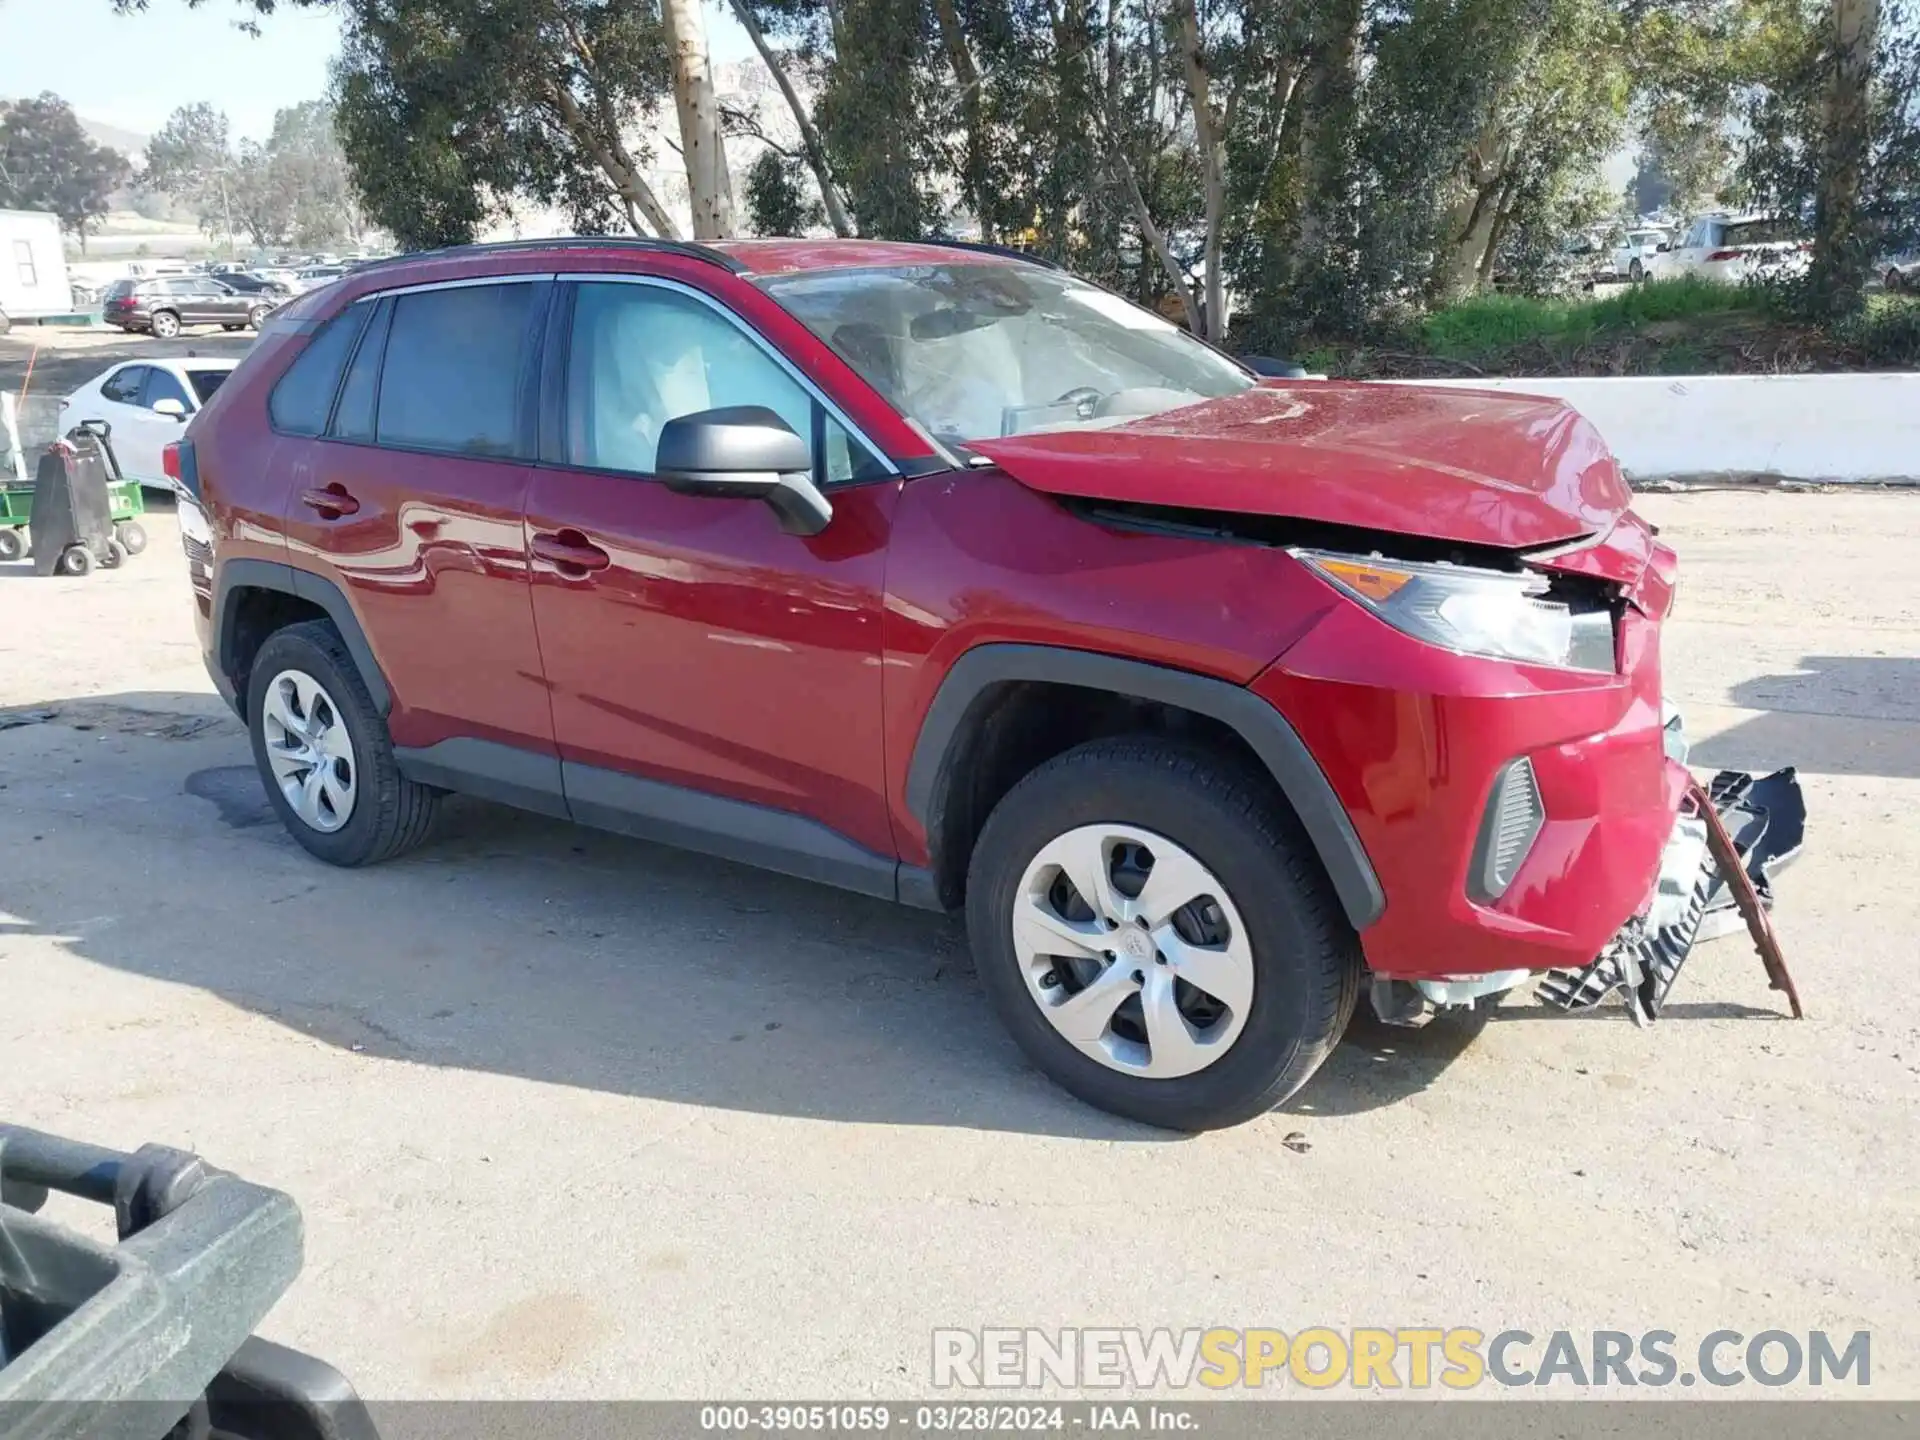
(1133, 951)
(309, 750)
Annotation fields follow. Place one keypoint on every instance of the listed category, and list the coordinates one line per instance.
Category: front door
(410, 498)
(715, 680)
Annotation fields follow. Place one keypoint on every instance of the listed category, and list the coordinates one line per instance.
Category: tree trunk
(1327, 116)
(816, 152)
(1213, 165)
(1468, 232)
(618, 165)
(966, 74)
(709, 187)
(1842, 254)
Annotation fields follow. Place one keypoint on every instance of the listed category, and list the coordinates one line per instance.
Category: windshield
(978, 351)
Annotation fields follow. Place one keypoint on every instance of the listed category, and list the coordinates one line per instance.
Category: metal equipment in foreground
(79, 512)
(152, 1337)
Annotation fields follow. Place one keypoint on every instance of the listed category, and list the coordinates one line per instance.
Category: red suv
(940, 575)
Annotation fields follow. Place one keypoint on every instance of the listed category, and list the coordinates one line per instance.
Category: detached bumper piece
(1715, 876)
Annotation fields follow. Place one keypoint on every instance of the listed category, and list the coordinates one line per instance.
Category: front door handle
(570, 552)
(330, 501)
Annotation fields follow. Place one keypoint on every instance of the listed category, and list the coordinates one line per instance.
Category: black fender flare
(1264, 728)
(236, 576)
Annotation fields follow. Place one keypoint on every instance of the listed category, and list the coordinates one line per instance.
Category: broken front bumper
(1764, 819)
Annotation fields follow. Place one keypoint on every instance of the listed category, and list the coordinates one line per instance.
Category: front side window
(975, 351)
(451, 380)
(164, 385)
(642, 355)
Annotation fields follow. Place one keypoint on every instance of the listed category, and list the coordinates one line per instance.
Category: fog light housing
(1511, 824)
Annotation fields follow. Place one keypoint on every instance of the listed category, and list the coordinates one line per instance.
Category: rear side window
(452, 378)
(303, 399)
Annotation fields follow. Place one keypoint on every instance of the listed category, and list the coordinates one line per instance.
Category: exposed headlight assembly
(1491, 613)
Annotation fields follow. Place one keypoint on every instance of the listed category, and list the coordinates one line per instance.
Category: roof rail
(570, 242)
(984, 248)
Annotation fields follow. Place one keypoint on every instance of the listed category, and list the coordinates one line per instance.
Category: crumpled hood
(1477, 467)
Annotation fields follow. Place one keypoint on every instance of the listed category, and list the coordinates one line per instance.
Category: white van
(33, 269)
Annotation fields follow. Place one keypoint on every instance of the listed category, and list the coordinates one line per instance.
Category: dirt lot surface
(572, 1115)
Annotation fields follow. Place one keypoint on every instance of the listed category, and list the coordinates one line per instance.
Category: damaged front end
(1715, 877)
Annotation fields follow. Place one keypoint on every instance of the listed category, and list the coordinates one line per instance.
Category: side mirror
(170, 407)
(747, 452)
(1273, 368)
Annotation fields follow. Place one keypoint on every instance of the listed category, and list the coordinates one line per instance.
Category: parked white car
(1901, 272)
(1633, 257)
(148, 404)
(1733, 248)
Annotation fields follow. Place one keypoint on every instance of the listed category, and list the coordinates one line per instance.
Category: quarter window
(303, 399)
(23, 261)
(452, 377)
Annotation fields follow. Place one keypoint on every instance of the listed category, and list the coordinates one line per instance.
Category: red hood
(1474, 466)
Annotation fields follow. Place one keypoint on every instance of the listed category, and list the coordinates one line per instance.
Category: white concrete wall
(1706, 427)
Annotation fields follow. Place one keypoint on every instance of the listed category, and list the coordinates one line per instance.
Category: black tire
(1306, 957)
(5, 323)
(391, 814)
(257, 316)
(1896, 282)
(1636, 272)
(132, 536)
(231, 328)
(75, 560)
(13, 544)
(164, 324)
(115, 556)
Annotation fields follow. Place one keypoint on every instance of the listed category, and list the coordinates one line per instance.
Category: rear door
(410, 498)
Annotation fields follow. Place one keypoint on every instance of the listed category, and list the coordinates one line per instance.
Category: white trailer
(33, 268)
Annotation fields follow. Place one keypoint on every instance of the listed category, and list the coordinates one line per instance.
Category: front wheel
(75, 560)
(1636, 272)
(324, 754)
(131, 535)
(1152, 926)
(1896, 282)
(257, 317)
(12, 546)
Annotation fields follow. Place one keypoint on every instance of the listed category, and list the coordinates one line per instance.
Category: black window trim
(554, 381)
(367, 328)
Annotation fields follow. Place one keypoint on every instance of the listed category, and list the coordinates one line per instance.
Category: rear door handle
(569, 550)
(330, 501)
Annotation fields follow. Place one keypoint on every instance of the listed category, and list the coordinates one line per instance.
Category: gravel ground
(573, 1115)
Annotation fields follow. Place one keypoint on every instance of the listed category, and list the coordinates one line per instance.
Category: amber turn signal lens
(1376, 582)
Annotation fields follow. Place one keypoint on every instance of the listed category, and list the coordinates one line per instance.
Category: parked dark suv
(951, 579)
(168, 304)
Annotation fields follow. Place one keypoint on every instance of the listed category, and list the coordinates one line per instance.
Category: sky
(133, 71)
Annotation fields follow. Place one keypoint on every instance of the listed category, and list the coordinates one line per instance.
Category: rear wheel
(1896, 282)
(132, 536)
(1152, 927)
(75, 560)
(1636, 272)
(324, 754)
(12, 547)
(257, 316)
(165, 324)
